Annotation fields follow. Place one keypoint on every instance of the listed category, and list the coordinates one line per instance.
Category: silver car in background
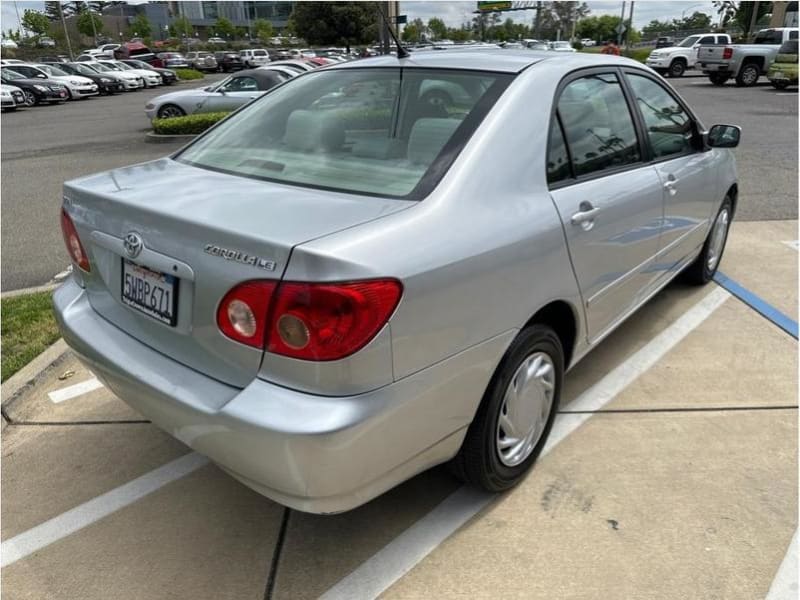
(327, 297)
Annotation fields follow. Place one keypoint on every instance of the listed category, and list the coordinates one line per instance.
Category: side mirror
(724, 136)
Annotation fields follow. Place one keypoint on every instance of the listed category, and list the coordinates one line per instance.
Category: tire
(30, 99)
(69, 95)
(717, 78)
(748, 75)
(677, 68)
(702, 270)
(780, 85)
(481, 461)
(170, 110)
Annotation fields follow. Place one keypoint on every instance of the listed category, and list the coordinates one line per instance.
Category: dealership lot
(672, 472)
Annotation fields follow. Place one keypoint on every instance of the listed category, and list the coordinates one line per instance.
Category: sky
(455, 13)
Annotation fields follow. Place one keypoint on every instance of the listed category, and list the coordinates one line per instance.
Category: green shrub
(639, 54)
(188, 125)
(188, 74)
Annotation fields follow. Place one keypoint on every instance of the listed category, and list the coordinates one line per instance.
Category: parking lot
(671, 471)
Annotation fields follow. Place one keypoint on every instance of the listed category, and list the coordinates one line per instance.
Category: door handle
(586, 214)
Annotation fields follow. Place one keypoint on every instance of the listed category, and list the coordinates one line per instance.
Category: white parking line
(785, 585)
(95, 509)
(400, 555)
(73, 391)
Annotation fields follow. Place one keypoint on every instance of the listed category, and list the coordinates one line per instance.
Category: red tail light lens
(73, 242)
(316, 321)
(242, 314)
(727, 53)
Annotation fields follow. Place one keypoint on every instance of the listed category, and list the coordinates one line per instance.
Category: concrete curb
(49, 287)
(155, 138)
(28, 375)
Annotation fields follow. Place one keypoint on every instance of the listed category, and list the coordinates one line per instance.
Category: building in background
(203, 15)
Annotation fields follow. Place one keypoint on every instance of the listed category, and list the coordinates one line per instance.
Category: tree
(84, 23)
(740, 13)
(556, 19)
(34, 21)
(437, 28)
(264, 29)
(656, 27)
(141, 26)
(698, 20)
(329, 23)
(181, 27)
(225, 28)
(414, 30)
(598, 28)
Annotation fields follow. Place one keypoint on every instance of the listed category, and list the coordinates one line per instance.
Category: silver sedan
(227, 95)
(327, 297)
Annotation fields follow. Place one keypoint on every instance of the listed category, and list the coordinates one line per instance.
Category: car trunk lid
(209, 231)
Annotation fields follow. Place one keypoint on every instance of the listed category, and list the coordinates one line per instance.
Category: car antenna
(401, 52)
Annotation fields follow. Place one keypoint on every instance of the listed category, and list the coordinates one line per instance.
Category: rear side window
(597, 124)
(669, 128)
(769, 36)
(374, 131)
(793, 35)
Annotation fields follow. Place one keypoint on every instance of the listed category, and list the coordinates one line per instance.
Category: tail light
(727, 53)
(311, 321)
(73, 242)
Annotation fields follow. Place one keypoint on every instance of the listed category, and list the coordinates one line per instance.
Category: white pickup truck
(744, 62)
(674, 60)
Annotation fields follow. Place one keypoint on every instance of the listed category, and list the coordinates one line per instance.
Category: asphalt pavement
(45, 146)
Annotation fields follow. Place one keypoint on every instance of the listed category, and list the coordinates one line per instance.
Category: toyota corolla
(327, 298)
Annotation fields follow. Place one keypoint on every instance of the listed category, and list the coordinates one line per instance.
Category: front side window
(597, 124)
(241, 84)
(384, 132)
(669, 128)
(689, 41)
(707, 40)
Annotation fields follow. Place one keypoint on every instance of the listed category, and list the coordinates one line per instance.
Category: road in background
(45, 146)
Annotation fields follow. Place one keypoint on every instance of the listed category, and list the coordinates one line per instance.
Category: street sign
(400, 19)
(620, 28)
(493, 5)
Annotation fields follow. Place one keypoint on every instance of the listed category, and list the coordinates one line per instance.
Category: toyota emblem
(133, 244)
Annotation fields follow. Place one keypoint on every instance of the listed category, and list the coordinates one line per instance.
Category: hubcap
(29, 99)
(170, 111)
(749, 76)
(526, 408)
(717, 243)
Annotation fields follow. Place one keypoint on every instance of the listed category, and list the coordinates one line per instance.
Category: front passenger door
(610, 201)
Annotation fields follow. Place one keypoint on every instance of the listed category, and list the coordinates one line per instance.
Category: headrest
(428, 137)
(313, 130)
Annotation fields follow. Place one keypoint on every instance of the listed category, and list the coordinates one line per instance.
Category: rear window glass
(384, 132)
(259, 53)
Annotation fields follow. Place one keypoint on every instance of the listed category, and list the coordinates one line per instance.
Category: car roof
(486, 59)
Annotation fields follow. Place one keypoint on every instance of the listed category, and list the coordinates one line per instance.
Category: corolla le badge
(133, 244)
(240, 257)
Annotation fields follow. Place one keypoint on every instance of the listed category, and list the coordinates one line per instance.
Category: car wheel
(69, 95)
(717, 78)
(705, 265)
(516, 413)
(780, 85)
(30, 99)
(677, 68)
(748, 75)
(170, 110)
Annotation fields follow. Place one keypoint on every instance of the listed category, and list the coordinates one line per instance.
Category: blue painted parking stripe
(761, 306)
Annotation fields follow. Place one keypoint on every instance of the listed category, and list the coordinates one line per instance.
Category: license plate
(778, 75)
(151, 292)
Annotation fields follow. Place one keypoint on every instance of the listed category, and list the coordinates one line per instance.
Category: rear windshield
(382, 132)
(769, 36)
(259, 53)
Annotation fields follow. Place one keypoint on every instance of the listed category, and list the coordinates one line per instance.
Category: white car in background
(253, 58)
(8, 43)
(150, 78)
(12, 97)
(561, 47)
(130, 81)
(77, 85)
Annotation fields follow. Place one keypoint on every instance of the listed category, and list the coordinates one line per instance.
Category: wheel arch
(562, 318)
(733, 194)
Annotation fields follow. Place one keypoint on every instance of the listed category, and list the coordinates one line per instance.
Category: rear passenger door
(683, 165)
(610, 201)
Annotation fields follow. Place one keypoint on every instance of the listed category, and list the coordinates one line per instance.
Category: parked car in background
(61, 58)
(675, 60)
(149, 77)
(588, 42)
(173, 60)
(12, 97)
(327, 306)
(228, 94)
(36, 91)
(106, 84)
(254, 57)
(77, 86)
(744, 62)
(46, 42)
(9, 44)
(202, 61)
(168, 76)
(561, 47)
(301, 66)
(130, 81)
(783, 71)
(228, 61)
(217, 41)
(662, 42)
(11, 61)
(539, 46)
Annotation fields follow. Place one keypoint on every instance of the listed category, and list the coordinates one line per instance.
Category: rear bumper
(714, 67)
(313, 453)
